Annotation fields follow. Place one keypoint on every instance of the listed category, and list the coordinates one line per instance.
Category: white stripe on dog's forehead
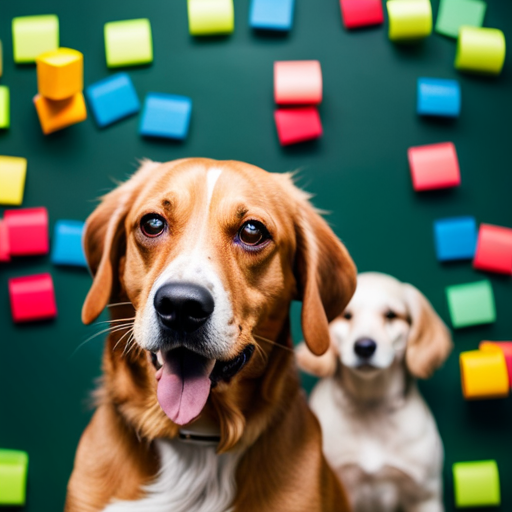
(211, 179)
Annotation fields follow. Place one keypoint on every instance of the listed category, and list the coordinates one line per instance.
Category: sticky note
(361, 13)
(13, 477)
(438, 97)
(480, 50)
(13, 172)
(471, 304)
(60, 73)
(494, 249)
(28, 231)
(67, 243)
(476, 484)
(5, 107)
(296, 125)
(33, 35)
(297, 82)
(454, 14)
(409, 20)
(128, 43)
(166, 115)
(32, 298)
(210, 17)
(56, 115)
(271, 14)
(455, 238)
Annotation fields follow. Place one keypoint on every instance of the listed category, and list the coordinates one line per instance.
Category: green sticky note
(13, 477)
(5, 116)
(471, 304)
(476, 484)
(33, 35)
(453, 14)
(128, 43)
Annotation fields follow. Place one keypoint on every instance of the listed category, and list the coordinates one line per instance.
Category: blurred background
(358, 171)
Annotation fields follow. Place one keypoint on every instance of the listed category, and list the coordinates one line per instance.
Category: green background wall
(358, 171)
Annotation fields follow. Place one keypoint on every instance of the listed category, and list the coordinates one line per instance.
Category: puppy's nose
(183, 306)
(365, 347)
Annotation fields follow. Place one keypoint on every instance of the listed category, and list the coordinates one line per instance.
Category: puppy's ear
(319, 366)
(104, 241)
(430, 341)
(325, 274)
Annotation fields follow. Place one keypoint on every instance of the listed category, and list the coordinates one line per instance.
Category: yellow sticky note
(409, 20)
(33, 35)
(483, 374)
(60, 73)
(481, 50)
(13, 171)
(210, 17)
(128, 43)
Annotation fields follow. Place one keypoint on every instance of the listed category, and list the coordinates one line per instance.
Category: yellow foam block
(13, 171)
(209, 17)
(409, 20)
(60, 73)
(481, 50)
(483, 374)
(55, 115)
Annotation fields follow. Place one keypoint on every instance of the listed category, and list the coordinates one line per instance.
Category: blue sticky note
(166, 115)
(438, 97)
(67, 243)
(455, 238)
(112, 99)
(271, 14)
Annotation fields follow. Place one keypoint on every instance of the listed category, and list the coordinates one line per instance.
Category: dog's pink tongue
(184, 385)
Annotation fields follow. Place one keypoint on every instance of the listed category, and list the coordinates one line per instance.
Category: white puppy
(379, 434)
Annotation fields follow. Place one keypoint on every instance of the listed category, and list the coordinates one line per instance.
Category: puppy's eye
(390, 315)
(253, 233)
(347, 315)
(152, 225)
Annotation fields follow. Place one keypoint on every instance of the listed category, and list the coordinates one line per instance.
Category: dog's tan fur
(262, 411)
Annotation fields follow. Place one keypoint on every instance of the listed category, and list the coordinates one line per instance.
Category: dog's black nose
(183, 306)
(365, 347)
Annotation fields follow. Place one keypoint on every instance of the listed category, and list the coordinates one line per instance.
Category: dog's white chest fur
(192, 478)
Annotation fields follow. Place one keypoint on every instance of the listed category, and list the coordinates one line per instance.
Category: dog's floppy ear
(325, 274)
(430, 341)
(103, 241)
(319, 366)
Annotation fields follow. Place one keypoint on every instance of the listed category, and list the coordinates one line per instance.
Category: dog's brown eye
(152, 225)
(253, 233)
(347, 315)
(390, 315)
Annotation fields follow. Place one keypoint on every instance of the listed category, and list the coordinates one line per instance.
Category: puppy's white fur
(379, 434)
(192, 478)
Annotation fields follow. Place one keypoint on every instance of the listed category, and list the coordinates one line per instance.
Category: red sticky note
(434, 166)
(28, 231)
(297, 82)
(494, 249)
(32, 298)
(506, 348)
(361, 13)
(5, 254)
(297, 125)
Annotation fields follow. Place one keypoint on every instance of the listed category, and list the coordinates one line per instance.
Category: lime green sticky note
(476, 484)
(453, 14)
(128, 43)
(409, 20)
(481, 50)
(5, 108)
(471, 304)
(13, 477)
(210, 17)
(33, 35)
(13, 171)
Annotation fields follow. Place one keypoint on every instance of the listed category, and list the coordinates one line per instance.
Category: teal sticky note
(453, 14)
(471, 304)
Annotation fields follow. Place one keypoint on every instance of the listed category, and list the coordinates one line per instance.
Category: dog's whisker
(119, 304)
(110, 329)
(115, 320)
(273, 343)
(121, 339)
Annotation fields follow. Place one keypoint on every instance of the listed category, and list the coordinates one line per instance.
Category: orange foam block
(56, 115)
(298, 82)
(502, 346)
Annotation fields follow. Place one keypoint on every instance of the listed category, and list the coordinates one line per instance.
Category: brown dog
(200, 407)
